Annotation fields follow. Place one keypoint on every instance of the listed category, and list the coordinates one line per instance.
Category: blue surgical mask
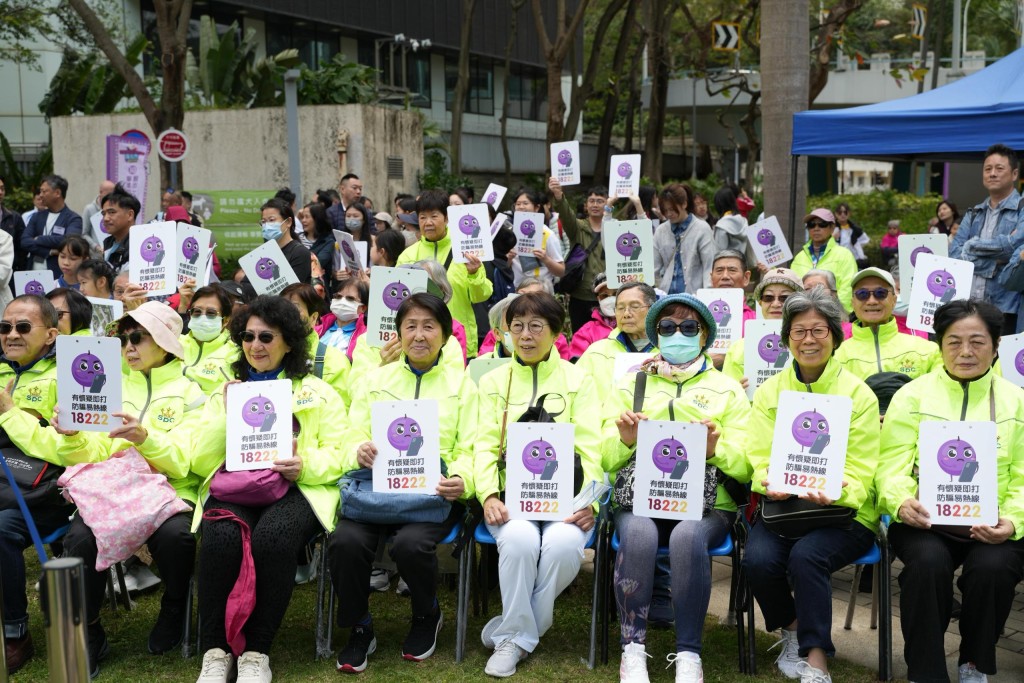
(271, 231)
(353, 223)
(678, 348)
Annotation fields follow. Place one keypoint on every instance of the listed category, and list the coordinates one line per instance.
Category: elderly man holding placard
(951, 474)
(877, 344)
(817, 514)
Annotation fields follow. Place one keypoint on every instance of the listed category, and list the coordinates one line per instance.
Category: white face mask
(506, 341)
(607, 306)
(344, 310)
(206, 329)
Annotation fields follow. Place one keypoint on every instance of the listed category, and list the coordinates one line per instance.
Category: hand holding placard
(89, 382)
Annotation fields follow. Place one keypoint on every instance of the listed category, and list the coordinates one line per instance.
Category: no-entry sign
(172, 145)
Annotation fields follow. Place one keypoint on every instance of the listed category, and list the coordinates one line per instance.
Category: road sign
(725, 36)
(172, 145)
(920, 21)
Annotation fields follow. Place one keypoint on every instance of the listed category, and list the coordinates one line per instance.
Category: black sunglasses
(22, 327)
(265, 337)
(134, 338)
(817, 224)
(689, 328)
(880, 293)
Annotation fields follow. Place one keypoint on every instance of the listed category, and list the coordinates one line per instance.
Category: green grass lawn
(560, 657)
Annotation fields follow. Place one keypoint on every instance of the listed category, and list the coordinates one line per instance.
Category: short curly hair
(282, 315)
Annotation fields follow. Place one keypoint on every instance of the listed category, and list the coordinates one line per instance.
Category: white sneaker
(139, 578)
(502, 663)
(688, 667)
(218, 667)
(969, 674)
(487, 635)
(380, 580)
(253, 668)
(810, 674)
(403, 588)
(633, 665)
(789, 659)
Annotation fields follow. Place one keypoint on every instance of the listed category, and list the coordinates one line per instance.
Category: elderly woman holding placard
(536, 560)
(800, 540)
(254, 527)
(679, 384)
(424, 326)
(933, 539)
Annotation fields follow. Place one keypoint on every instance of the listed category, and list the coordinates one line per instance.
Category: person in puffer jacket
(730, 231)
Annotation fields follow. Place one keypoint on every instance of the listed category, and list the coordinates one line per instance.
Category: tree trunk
(554, 52)
(824, 42)
(586, 86)
(461, 86)
(784, 66)
(611, 107)
(749, 125)
(659, 20)
(510, 42)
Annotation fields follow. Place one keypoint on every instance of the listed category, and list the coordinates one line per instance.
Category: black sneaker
(361, 644)
(422, 639)
(96, 646)
(169, 630)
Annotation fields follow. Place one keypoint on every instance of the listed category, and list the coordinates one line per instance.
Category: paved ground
(860, 643)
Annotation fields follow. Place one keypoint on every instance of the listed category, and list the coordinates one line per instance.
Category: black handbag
(575, 266)
(794, 517)
(37, 479)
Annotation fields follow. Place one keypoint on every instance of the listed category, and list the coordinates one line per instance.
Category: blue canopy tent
(957, 121)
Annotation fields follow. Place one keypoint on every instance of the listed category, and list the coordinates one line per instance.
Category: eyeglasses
(689, 328)
(535, 327)
(265, 337)
(632, 308)
(210, 313)
(880, 293)
(23, 327)
(817, 224)
(596, 201)
(134, 338)
(771, 298)
(798, 333)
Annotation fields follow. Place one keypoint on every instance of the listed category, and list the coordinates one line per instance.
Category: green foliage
(338, 81)
(437, 174)
(20, 184)
(227, 73)
(86, 84)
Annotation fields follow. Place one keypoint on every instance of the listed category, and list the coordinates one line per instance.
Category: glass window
(480, 96)
(528, 94)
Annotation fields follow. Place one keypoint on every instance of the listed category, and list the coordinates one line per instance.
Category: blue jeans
(792, 578)
(688, 543)
(14, 539)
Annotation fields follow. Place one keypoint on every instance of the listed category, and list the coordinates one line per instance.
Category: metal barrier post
(3, 641)
(63, 602)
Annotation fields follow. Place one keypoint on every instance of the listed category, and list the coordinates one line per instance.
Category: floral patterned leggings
(688, 543)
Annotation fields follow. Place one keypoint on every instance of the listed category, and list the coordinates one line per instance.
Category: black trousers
(173, 548)
(990, 575)
(580, 311)
(277, 533)
(353, 546)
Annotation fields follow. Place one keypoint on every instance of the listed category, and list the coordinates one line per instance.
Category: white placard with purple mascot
(539, 470)
(259, 424)
(669, 481)
(958, 472)
(809, 444)
(408, 444)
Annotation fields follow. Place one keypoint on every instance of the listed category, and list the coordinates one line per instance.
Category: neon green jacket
(598, 362)
(937, 396)
(861, 450)
(366, 358)
(709, 395)
(321, 428)
(466, 289)
(569, 392)
(336, 368)
(456, 398)
(732, 366)
(35, 395)
(169, 406)
(886, 349)
(837, 259)
(206, 363)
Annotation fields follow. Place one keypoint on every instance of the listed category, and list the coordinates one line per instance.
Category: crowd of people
(840, 323)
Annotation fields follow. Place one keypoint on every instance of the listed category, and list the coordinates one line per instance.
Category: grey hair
(497, 312)
(829, 276)
(648, 293)
(437, 274)
(530, 280)
(894, 223)
(818, 301)
(730, 253)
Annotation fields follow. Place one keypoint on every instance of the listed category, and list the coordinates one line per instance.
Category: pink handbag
(251, 488)
(122, 500)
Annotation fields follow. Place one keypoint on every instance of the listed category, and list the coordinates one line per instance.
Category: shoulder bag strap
(318, 360)
(638, 391)
(504, 419)
(448, 259)
(37, 541)
(992, 402)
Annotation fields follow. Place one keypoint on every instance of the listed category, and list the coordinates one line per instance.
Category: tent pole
(792, 198)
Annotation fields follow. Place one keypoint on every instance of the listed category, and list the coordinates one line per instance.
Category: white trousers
(536, 562)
